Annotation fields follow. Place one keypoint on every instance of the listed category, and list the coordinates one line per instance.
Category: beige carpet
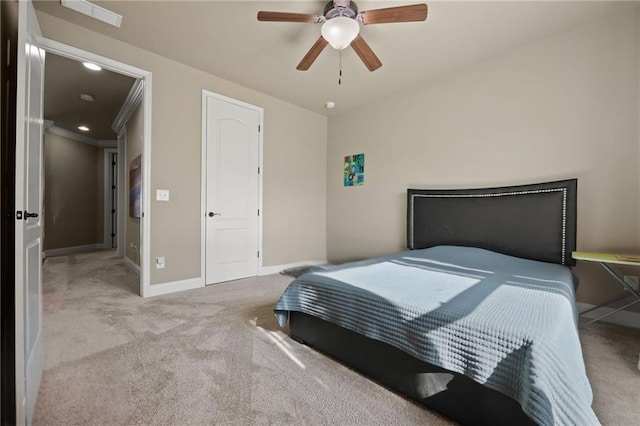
(216, 356)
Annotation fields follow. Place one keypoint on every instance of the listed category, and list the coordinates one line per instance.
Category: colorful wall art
(135, 187)
(354, 170)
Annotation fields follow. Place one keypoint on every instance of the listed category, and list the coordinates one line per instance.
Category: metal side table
(605, 259)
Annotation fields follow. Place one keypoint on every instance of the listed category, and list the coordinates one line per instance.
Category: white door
(30, 85)
(232, 141)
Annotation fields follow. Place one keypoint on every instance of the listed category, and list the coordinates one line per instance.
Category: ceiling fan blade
(285, 17)
(411, 13)
(312, 54)
(365, 53)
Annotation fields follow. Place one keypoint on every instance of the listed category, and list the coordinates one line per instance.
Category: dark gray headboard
(530, 221)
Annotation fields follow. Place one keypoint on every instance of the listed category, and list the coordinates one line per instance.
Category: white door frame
(77, 54)
(203, 196)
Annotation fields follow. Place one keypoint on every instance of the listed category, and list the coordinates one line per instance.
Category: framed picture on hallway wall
(135, 187)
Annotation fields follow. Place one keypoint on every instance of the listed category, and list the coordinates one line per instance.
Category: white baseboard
(275, 269)
(626, 318)
(183, 285)
(131, 264)
(173, 286)
(64, 251)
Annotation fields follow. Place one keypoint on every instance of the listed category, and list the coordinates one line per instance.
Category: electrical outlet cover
(159, 262)
(162, 195)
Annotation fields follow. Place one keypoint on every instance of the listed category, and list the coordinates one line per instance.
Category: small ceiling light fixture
(92, 66)
(330, 105)
(97, 12)
(340, 31)
(83, 128)
(87, 97)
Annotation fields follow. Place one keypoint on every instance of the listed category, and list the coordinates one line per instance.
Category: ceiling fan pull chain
(340, 74)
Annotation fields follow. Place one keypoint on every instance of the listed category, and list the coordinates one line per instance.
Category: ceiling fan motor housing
(347, 9)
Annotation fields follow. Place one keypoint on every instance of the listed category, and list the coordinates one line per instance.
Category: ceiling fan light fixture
(340, 31)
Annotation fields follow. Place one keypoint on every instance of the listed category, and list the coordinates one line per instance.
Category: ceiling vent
(97, 12)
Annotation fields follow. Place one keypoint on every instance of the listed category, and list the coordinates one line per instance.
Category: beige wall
(294, 203)
(294, 194)
(71, 193)
(99, 171)
(135, 127)
(566, 106)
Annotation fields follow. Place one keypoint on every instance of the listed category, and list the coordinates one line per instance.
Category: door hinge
(258, 212)
(258, 253)
(259, 128)
(258, 170)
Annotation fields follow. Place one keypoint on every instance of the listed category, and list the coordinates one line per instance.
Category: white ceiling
(224, 38)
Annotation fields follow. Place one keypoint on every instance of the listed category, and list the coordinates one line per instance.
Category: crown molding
(129, 106)
(100, 143)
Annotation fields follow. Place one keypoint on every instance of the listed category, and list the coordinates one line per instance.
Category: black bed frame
(531, 221)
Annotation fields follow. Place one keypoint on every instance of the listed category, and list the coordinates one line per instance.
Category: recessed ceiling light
(87, 97)
(92, 66)
(83, 128)
(330, 105)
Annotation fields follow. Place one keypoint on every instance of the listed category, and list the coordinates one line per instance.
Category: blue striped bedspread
(505, 322)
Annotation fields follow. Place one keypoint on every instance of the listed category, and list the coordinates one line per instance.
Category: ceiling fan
(341, 25)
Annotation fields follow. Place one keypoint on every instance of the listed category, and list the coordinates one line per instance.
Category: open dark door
(8, 82)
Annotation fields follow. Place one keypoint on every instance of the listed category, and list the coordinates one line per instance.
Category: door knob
(27, 215)
(212, 214)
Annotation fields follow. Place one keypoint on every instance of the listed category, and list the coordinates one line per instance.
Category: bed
(477, 319)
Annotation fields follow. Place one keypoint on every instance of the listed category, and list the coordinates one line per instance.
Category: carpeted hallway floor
(217, 356)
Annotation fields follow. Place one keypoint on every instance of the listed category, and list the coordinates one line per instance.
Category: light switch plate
(162, 195)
